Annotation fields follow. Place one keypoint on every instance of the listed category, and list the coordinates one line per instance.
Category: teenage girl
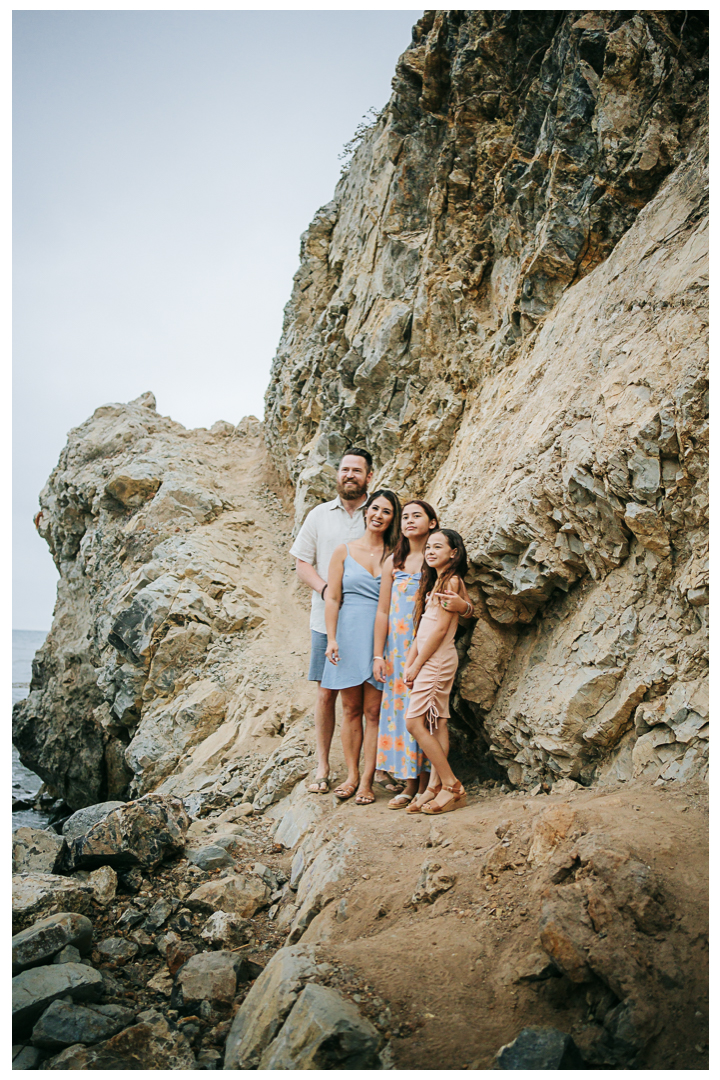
(354, 582)
(398, 752)
(431, 666)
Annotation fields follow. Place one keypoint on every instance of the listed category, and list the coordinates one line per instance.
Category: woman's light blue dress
(355, 629)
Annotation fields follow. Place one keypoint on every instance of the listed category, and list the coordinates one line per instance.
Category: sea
(25, 784)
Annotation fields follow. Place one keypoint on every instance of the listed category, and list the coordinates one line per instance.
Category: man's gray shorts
(318, 646)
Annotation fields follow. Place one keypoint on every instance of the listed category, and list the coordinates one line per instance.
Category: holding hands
(411, 672)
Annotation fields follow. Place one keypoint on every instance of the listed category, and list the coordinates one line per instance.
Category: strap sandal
(418, 801)
(458, 800)
(320, 786)
(345, 791)
(365, 800)
(400, 802)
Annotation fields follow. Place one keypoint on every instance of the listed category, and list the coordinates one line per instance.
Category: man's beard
(351, 489)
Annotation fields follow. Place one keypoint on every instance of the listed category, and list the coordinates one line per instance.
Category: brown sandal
(459, 799)
(415, 806)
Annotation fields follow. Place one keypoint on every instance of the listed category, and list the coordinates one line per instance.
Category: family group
(388, 590)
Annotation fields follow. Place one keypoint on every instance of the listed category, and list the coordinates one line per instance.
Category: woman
(431, 666)
(354, 581)
(398, 752)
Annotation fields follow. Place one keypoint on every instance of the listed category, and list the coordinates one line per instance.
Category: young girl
(398, 752)
(354, 581)
(432, 663)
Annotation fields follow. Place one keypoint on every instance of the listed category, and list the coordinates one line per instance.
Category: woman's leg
(351, 734)
(372, 698)
(432, 746)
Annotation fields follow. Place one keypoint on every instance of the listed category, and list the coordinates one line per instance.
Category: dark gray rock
(323, 1031)
(36, 851)
(25, 1057)
(64, 1023)
(117, 951)
(68, 955)
(46, 938)
(212, 857)
(34, 990)
(150, 1043)
(135, 836)
(160, 913)
(540, 1048)
(83, 820)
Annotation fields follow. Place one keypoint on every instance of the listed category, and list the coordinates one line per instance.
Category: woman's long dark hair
(391, 533)
(457, 567)
(402, 548)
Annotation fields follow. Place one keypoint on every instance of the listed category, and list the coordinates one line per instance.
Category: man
(325, 527)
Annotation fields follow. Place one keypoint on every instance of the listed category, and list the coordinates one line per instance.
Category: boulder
(540, 1048)
(36, 851)
(206, 977)
(135, 835)
(35, 989)
(235, 894)
(25, 1057)
(323, 1031)
(47, 937)
(263, 1011)
(63, 1023)
(226, 930)
(35, 896)
(151, 1043)
(433, 880)
(83, 820)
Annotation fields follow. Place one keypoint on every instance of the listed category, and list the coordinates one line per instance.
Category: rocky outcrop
(162, 670)
(506, 302)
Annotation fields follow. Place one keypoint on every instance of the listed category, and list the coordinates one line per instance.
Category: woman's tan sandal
(458, 800)
(346, 790)
(419, 800)
(320, 786)
(400, 801)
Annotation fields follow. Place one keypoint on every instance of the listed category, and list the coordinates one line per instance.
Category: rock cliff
(506, 302)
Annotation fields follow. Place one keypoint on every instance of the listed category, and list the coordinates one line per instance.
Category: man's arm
(309, 575)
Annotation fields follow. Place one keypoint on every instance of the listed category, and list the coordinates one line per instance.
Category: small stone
(212, 857)
(226, 930)
(68, 955)
(540, 1048)
(40, 942)
(117, 951)
(178, 953)
(143, 941)
(234, 894)
(163, 940)
(159, 913)
(104, 883)
(208, 977)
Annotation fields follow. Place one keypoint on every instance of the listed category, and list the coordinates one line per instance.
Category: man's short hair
(356, 452)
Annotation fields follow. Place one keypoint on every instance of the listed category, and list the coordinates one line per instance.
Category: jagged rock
(160, 912)
(138, 834)
(649, 528)
(433, 880)
(83, 820)
(36, 851)
(68, 955)
(25, 1057)
(35, 896)
(178, 953)
(226, 930)
(540, 1048)
(64, 1023)
(265, 1008)
(235, 894)
(206, 976)
(35, 989)
(151, 1043)
(321, 881)
(45, 938)
(104, 884)
(323, 1031)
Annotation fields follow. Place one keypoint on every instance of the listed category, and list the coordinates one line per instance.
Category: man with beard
(326, 526)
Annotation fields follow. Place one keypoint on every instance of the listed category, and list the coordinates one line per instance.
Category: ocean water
(25, 784)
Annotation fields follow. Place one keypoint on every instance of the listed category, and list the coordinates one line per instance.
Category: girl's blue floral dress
(398, 753)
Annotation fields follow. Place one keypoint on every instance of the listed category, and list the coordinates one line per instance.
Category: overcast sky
(165, 165)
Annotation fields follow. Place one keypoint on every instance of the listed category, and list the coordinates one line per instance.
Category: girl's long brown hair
(457, 567)
(402, 548)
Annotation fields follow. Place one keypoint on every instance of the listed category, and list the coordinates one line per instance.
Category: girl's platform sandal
(459, 799)
(416, 806)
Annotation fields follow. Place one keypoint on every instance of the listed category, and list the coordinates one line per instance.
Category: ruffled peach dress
(430, 695)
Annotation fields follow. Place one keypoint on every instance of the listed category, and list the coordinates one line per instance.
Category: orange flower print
(399, 743)
(402, 626)
(385, 742)
(412, 755)
(399, 689)
(381, 758)
(402, 586)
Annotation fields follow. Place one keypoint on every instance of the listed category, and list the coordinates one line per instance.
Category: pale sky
(165, 165)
